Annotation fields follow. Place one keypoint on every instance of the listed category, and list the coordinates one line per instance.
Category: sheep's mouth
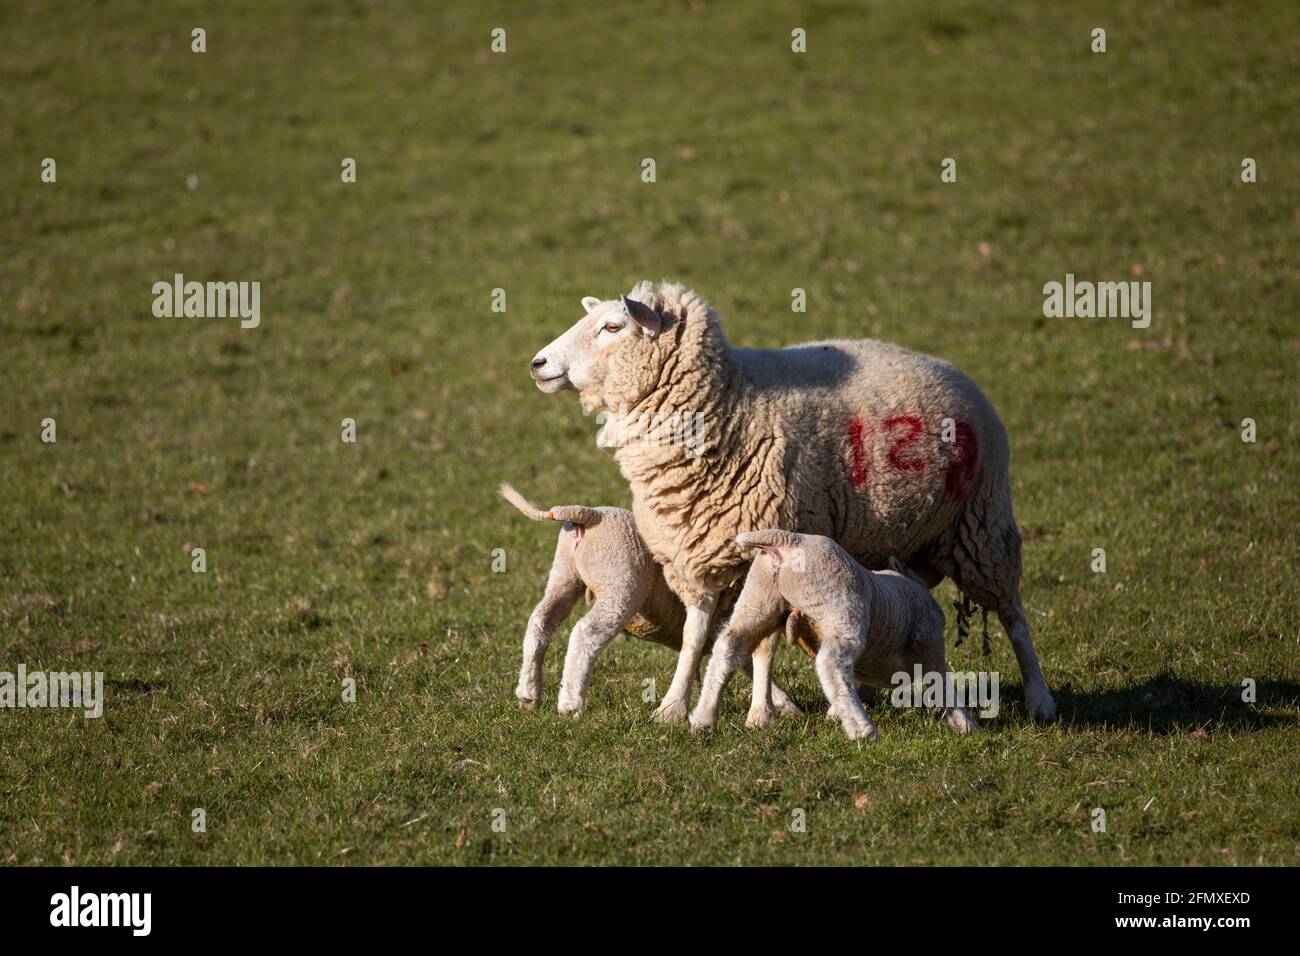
(552, 384)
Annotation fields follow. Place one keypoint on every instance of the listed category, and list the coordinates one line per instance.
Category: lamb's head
(611, 357)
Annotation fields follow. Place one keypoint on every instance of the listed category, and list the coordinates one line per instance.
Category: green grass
(521, 171)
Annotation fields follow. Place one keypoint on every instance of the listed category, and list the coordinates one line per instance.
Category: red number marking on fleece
(856, 432)
(964, 464)
(914, 428)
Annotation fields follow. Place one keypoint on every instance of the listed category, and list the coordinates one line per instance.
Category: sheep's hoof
(1041, 705)
(699, 725)
(670, 711)
(527, 703)
(759, 719)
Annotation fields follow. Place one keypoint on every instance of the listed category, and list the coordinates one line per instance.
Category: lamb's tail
(772, 540)
(579, 515)
(900, 568)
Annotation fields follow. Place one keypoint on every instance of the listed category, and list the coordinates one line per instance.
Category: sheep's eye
(611, 327)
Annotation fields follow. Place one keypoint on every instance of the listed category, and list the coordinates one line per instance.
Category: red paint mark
(856, 432)
(964, 464)
(914, 428)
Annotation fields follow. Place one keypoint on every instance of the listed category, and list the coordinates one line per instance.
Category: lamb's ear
(651, 322)
(589, 302)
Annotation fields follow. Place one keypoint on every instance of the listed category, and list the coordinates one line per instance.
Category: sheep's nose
(539, 362)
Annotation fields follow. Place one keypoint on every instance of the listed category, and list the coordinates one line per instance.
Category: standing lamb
(868, 625)
(883, 450)
(599, 553)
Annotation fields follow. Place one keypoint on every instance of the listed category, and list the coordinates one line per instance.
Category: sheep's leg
(1038, 699)
(563, 588)
(676, 702)
(760, 707)
(600, 625)
(835, 671)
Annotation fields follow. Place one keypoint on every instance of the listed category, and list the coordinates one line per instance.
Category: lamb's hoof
(670, 711)
(570, 708)
(759, 719)
(787, 707)
(1041, 705)
(867, 733)
(701, 725)
(831, 715)
(527, 703)
(964, 724)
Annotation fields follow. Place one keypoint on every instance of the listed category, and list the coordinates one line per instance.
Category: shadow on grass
(1166, 704)
(1163, 705)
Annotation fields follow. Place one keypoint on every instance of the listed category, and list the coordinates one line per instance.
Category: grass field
(522, 171)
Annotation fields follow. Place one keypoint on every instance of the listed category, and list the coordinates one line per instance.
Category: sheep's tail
(769, 539)
(579, 515)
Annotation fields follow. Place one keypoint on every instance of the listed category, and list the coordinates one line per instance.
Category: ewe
(867, 625)
(885, 451)
(600, 554)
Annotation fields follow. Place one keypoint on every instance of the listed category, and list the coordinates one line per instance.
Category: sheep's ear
(651, 322)
(590, 302)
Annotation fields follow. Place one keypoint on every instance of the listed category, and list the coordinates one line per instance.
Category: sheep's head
(611, 357)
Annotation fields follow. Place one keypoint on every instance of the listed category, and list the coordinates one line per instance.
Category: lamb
(883, 450)
(868, 625)
(600, 554)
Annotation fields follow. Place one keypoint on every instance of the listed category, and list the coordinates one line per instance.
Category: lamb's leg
(563, 588)
(864, 691)
(734, 645)
(600, 625)
(835, 671)
(677, 701)
(760, 707)
(783, 703)
(780, 699)
(1038, 699)
(931, 657)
